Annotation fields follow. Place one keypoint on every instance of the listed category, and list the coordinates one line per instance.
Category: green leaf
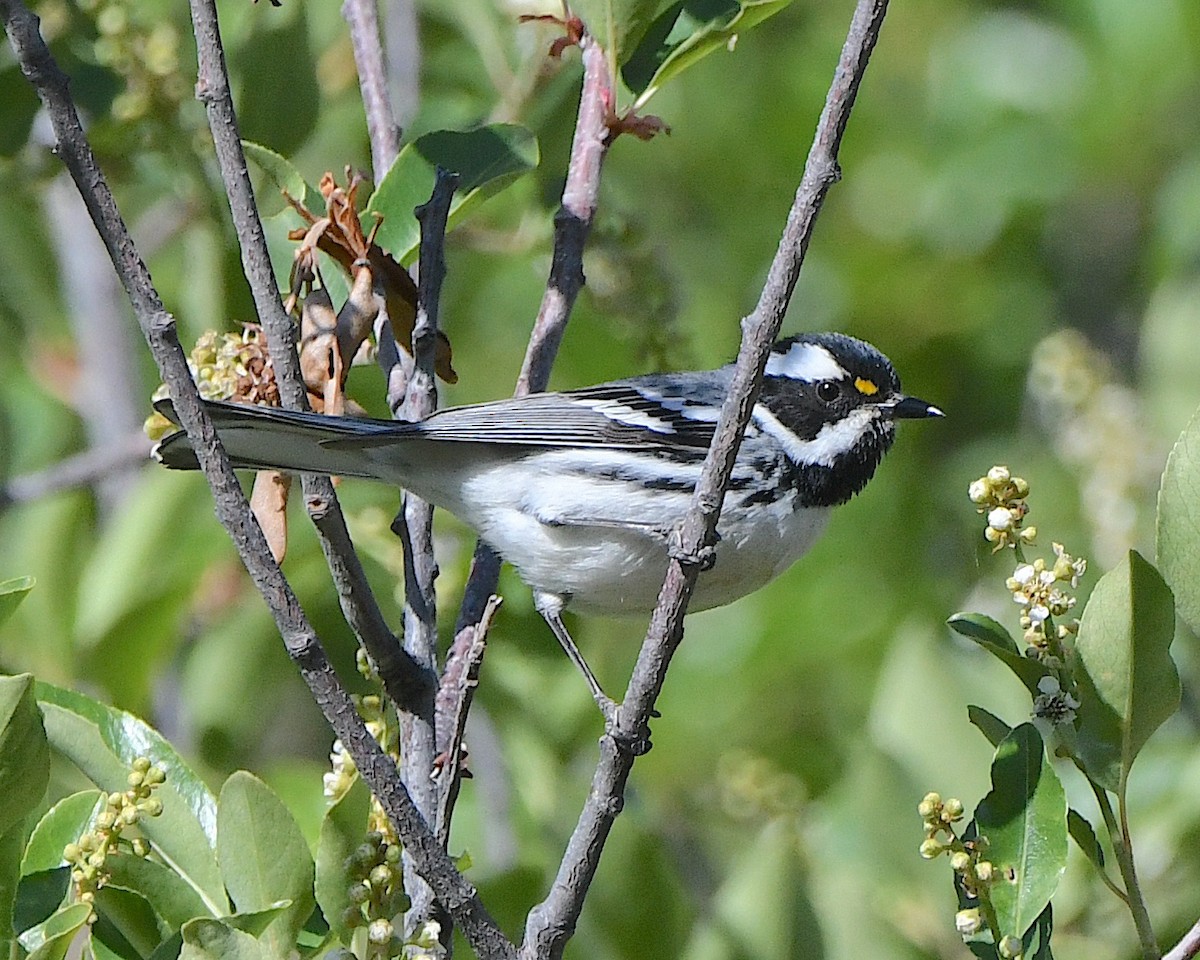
(1036, 941)
(214, 940)
(125, 922)
(687, 33)
(1085, 838)
(486, 159)
(1128, 684)
(24, 752)
(264, 858)
(12, 592)
(11, 845)
(280, 172)
(173, 900)
(619, 25)
(39, 895)
(1024, 818)
(1178, 549)
(50, 939)
(63, 823)
(999, 642)
(103, 742)
(990, 725)
(342, 830)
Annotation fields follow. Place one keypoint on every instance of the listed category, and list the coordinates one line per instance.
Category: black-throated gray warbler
(580, 490)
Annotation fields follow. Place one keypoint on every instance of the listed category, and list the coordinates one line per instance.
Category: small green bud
(155, 776)
(151, 806)
(141, 764)
(381, 876)
(960, 861)
(106, 819)
(359, 893)
(380, 931)
(141, 847)
(952, 808)
(135, 779)
(1011, 948)
(72, 852)
(968, 922)
(392, 853)
(931, 848)
(129, 816)
(984, 871)
(929, 805)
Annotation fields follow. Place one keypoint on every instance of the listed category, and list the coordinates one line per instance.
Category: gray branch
(572, 224)
(551, 923)
(158, 327)
(363, 19)
(404, 680)
(419, 730)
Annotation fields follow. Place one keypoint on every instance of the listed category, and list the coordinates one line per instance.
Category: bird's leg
(550, 607)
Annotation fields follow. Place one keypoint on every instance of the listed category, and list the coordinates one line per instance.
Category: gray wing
(623, 414)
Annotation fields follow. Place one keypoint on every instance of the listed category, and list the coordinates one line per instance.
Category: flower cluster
(225, 366)
(1001, 497)
(377, 718)
(1053, 706)
(1036, 588)
(87, 857)
(376, 890)
(973, 872)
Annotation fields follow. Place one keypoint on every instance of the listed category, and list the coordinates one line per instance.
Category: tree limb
(302, 644)
(552, 922)
(404, 680)
(415, 526)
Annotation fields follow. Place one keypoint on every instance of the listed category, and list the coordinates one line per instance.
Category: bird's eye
(827, 391)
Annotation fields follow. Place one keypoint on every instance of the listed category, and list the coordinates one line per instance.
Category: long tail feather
(261, 438)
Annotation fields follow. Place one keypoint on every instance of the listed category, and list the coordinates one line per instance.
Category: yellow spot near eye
(866, 387)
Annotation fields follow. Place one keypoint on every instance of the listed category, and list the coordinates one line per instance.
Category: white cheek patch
(806, 361)
(622, 413)
(833, 440)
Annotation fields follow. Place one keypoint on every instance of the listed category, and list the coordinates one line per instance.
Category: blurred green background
(1018, 229)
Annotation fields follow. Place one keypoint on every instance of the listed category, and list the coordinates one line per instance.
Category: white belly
(615, 566)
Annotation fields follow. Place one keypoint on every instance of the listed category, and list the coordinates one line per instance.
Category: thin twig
(571, 226)
(415, 526)
(1186, 948)
(573, 221)
(302, 644)
(402, 677)
(459, 681)
(80, 470)
(362, 18)
(552, 922)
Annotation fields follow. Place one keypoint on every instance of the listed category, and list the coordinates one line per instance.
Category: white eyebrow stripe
(806, 361)
(833, 439)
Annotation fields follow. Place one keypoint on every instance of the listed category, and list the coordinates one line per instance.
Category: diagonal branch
(301, 641)
(404, 680)
(552, 922)
(572, 224)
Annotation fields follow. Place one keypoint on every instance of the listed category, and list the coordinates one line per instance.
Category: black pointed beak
(910, 408)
